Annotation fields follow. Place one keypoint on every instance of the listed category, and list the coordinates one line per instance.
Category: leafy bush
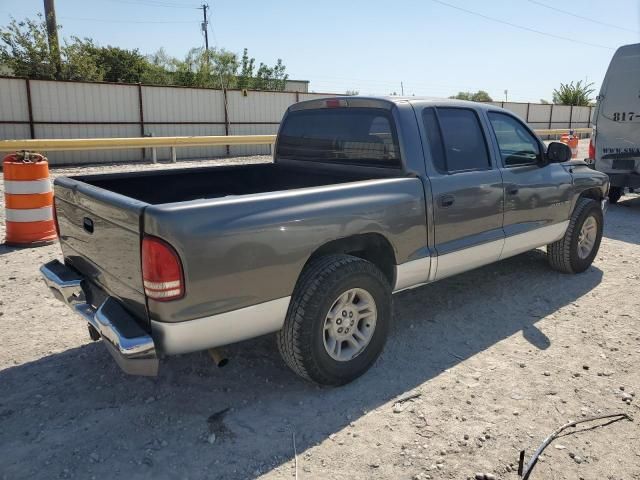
(570, 94)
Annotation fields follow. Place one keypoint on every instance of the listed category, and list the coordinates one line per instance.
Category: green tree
(352, 92)
(121, 65)
(479, 96)
(271, 78)
(223, 69)
(24, 49)
(161, 69)
(570, 94)
(247, 64)
(80, 61)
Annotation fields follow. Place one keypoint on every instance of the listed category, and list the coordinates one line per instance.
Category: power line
(566, 12)
(521, 27)
(106, 20)
(154, 3)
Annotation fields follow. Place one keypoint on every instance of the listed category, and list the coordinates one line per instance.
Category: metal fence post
(141, 109)
(174, 158)
(30, 108)
(226, 118)
(570, 116)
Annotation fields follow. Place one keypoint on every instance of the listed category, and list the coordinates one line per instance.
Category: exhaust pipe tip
(218, 356)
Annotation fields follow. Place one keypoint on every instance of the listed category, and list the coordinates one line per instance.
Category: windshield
(362, 136)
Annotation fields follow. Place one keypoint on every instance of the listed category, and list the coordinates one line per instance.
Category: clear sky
(431, 46)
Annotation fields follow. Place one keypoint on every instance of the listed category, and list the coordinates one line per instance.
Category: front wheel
(575, 251)
(338, 320)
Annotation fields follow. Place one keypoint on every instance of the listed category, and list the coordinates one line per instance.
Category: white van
(615, 142)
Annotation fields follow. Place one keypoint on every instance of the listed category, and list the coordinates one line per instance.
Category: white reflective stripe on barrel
(21, 187)
(29, 214)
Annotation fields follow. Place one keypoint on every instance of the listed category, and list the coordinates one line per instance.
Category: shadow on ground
(75, 414)
(622, 221)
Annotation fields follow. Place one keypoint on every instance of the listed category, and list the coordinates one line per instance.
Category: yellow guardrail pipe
(560, 131)
(65, 144)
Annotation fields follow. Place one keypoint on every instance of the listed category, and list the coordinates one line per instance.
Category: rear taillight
(161, 270)
(592, 149)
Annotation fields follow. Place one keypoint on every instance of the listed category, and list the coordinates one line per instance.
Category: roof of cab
(397, 100)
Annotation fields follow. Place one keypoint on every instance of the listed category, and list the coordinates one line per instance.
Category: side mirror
(558, 152)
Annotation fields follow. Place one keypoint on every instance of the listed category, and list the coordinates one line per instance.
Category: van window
(517, 145)
(464, 143)
(361, 136)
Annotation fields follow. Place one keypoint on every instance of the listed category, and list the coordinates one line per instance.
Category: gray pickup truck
(365, 197)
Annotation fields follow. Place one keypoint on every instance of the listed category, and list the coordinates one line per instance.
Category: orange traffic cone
(28, 200)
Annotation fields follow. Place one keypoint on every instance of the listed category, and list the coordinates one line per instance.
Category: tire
(304, 336)
(566, 255)
(614, 194)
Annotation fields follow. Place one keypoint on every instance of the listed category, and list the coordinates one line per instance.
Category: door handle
(446, 200)
(512, 189)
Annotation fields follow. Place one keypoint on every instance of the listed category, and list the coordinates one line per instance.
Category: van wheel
(338, 320)
(574, 252)
(614, 194)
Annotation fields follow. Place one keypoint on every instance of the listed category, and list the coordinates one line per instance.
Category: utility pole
(506, 95)
(402, 88)
(205, 28)
(52, 35)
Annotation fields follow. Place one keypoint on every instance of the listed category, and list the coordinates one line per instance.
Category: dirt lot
(501, 357)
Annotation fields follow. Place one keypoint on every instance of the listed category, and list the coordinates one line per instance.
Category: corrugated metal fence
(548, 116)
(55, 109)
(59, 109)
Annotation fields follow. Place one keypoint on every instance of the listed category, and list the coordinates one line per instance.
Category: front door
(537, 196)
(467, 191)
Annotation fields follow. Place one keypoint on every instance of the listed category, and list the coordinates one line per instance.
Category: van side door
(536, 194)
(466, 187)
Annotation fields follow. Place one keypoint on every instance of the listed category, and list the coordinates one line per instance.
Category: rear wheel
(574, 252)
(338, 320)
(615, 193)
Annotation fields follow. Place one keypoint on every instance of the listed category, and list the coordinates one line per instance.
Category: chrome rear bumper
(132, 348)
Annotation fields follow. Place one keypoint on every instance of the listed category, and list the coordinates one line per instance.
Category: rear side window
(464, 143)
(517, 145)
(456, 141)
(362, 136)
(436, 146)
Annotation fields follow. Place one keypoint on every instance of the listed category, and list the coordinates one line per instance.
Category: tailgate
(100, 234)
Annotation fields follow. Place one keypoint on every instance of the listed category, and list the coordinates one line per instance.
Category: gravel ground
(500, 356)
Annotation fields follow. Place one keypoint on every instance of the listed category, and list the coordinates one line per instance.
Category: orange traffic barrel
(573, 144)
(571, 141)
(28, 200)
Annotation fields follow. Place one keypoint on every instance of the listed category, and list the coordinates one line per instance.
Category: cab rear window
(360, 136)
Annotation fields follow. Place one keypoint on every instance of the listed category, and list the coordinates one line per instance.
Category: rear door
(466, 187)
(100, 235)
(617, 114)
(536, 196)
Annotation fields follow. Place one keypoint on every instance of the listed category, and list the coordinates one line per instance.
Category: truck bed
(102, 218)
(170, 186)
